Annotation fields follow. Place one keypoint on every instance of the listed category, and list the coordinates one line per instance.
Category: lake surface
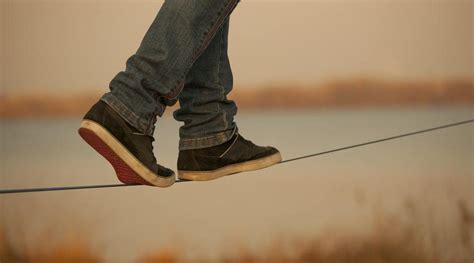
(342, 192)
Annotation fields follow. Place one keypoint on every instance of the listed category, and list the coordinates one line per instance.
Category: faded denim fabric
(183, 56)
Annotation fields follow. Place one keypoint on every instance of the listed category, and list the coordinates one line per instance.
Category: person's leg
(210, 145)
(207, 114)
(155, 75)
(120, 126)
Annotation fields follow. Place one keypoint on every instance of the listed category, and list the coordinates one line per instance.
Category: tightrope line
(49, 189)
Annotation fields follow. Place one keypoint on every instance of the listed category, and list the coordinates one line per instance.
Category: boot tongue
(145, 148)
(144, 138)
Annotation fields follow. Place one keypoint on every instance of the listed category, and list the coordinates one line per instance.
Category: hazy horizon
(73, 46)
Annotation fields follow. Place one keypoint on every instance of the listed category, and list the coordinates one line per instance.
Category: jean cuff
(207, 141)
(142, 125)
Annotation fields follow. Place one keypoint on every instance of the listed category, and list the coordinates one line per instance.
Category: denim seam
(218, 79)
(220, 56)
(218, 24)
(176, 90)
(168, 71)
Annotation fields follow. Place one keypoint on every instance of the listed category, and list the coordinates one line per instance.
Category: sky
(77, 46)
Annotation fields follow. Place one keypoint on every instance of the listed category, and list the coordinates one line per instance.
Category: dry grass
(164, 255)
(73, 250)
(389, 241)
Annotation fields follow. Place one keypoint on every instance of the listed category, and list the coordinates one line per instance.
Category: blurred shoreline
(354, 93)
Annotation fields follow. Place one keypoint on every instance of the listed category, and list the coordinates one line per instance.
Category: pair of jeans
(183, 56)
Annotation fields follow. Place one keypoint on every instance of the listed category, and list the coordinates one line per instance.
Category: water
(342, 191)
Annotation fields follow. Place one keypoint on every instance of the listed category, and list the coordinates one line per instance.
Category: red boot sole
(125, 174)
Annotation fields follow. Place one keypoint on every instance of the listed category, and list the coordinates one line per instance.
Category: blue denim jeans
(183, 56)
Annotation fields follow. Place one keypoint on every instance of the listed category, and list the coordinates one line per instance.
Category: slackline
(62, 188)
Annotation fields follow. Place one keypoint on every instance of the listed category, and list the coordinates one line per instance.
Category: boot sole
(128, 168)
(252, 165)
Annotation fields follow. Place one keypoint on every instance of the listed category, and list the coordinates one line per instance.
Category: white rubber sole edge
(126, 156)
(230, 169)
